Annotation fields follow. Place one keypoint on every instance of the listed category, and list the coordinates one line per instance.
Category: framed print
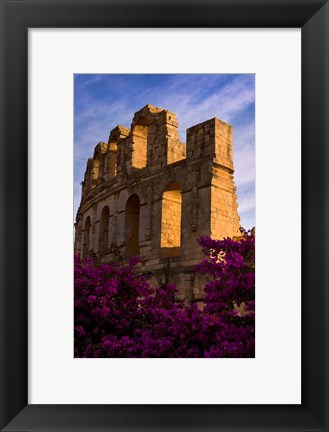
(47, 50)
(230, 96)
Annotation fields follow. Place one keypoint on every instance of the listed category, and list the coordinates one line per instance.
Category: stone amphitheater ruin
(146, 193)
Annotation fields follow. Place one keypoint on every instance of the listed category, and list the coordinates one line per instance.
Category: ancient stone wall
(146, 193)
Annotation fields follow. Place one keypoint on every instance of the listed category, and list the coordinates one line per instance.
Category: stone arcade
(146, 193)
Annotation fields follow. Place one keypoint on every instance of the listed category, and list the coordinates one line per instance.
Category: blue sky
(102, 101)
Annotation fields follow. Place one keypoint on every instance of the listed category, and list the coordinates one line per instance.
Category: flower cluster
(118, 314)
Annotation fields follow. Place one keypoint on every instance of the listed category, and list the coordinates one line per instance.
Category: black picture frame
(16, 17)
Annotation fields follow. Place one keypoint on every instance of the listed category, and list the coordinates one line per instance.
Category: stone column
(94, 232)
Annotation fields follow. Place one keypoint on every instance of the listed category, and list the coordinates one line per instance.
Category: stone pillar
(115, 157)
(149, 231)
(194, 200)
(93, 239)
(113, 223)
(211, 142)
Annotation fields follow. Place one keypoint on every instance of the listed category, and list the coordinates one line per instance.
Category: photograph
(164, 215)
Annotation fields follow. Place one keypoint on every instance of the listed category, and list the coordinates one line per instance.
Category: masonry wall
(146, 193)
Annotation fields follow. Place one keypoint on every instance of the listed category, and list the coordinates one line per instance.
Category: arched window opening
(139, 144)
(86, 238)
(132, 226)
(111, 160)
(95, 171)
(171, 219)
(101, 159)
(104, 231)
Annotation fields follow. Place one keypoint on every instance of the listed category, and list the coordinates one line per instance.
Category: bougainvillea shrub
(117, 313)
(230, 295)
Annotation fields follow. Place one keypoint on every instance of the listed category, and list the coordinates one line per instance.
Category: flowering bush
(230, 295)
(117, 313)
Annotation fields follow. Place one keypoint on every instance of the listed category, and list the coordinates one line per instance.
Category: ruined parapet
(212, 143)
(86, 184)
(145, 193)
(153, 141)
(116, 151)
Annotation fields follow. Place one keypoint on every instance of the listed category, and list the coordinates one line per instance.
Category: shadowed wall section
(132, 226)
(104, 231)
(86, 238)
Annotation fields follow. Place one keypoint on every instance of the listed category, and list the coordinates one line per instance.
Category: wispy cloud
(246, 207)
(244, 155)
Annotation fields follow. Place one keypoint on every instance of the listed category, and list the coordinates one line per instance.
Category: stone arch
(86, 237)
(171, 216)
(104, 231)
(131, 229)
(139, 143)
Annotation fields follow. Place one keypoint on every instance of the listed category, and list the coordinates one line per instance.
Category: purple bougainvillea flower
(118, 314)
